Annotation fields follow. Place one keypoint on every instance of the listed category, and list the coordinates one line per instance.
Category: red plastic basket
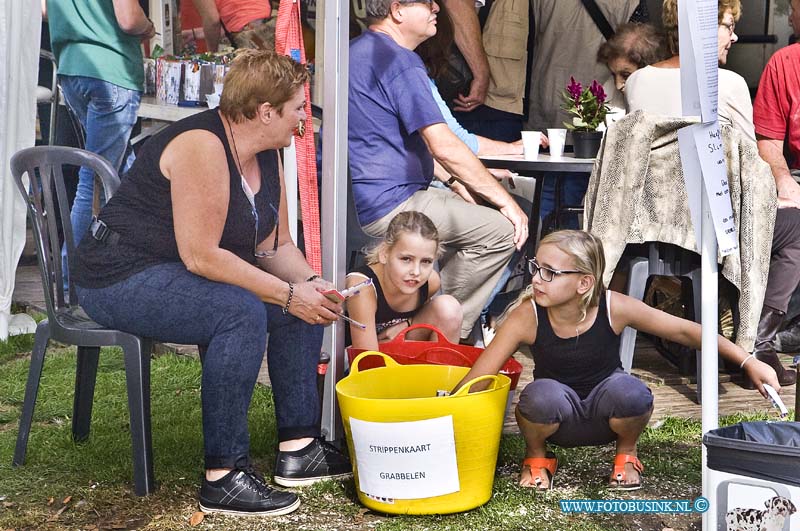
(439, 352)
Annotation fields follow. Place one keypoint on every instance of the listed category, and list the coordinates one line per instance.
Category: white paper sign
(702, 153)
(697, 38)
(406, 460)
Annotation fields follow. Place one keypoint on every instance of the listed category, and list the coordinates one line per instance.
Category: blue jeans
(491, 123)
(107, 113)
(168, 303)
(573, 188)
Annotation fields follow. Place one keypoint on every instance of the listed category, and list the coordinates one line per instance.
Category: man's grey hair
(378, 9)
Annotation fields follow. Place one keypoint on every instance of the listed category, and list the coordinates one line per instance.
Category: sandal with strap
(549, 463)
(619, 474)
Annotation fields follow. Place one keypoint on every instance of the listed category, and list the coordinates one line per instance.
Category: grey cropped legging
(584, 422)
(168, 303)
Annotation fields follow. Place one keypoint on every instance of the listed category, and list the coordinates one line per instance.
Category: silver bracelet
(285, 309)
(753, 355)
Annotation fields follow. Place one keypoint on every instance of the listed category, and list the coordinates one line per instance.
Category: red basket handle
(445, 350)
(400, 338)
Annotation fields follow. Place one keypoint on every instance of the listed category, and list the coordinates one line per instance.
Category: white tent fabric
(20, 30)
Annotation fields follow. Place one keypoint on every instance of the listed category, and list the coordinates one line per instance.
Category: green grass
(97, 473)
(14, 345)
(11, 348)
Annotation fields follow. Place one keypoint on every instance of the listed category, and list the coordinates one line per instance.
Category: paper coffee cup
(530, 144)
(557, 138)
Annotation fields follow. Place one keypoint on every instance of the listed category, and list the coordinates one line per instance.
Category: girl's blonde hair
(586, 251)
(410, 221)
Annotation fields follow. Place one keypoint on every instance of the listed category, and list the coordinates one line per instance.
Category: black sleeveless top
(580, 362)
(385, 315)
(141, 212)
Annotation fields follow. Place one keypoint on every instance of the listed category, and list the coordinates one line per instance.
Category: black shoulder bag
(598, 18)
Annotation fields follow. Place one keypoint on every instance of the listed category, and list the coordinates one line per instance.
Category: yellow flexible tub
(415, 452)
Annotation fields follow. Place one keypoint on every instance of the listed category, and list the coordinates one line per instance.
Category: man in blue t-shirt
(396, 131)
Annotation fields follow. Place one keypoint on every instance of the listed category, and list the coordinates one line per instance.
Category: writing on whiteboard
(405, 460)
(702, 154)
(400, 449)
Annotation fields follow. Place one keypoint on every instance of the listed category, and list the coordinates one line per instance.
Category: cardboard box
(164, 14)
(149, 77)
(198, 80)
(168, 80)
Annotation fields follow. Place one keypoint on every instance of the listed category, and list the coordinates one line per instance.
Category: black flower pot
(586, 144)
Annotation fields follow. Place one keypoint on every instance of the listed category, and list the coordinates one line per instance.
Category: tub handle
(464, 389)
(387, 360)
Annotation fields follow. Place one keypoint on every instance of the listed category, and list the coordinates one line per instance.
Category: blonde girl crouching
(580, 395)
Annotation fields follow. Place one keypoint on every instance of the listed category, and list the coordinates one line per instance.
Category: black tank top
(386, 316)
(580, 362)
(141, 212)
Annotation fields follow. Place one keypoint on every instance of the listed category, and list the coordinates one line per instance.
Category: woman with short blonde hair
(194, 248)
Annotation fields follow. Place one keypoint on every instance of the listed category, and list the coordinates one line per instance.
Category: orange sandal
(549, 463)
(620, 475)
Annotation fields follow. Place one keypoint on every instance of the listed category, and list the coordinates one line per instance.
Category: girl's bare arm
(627, 311)
(519, 327)
(362, 308)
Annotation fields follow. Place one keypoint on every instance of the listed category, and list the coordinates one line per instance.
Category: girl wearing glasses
(580, 395)
(403, 286)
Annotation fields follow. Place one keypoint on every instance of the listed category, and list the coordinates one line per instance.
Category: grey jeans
(585, 422)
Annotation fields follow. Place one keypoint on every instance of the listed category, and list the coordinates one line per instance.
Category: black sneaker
(243, 491)
(316, 462)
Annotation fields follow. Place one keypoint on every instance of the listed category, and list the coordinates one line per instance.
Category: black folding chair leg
(137, 376)
(41, 340)
(85, 378)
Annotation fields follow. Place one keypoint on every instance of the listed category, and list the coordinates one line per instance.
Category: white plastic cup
(557, 138)
(212, 100)
(530, 144)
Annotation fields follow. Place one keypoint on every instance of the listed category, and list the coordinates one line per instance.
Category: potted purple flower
(588, 109)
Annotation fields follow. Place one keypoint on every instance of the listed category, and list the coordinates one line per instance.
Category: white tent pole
(710, 372)
(291, 186)
(334, 192)
(20, 27)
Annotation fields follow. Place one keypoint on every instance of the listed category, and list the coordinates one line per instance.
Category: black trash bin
(764, 450)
